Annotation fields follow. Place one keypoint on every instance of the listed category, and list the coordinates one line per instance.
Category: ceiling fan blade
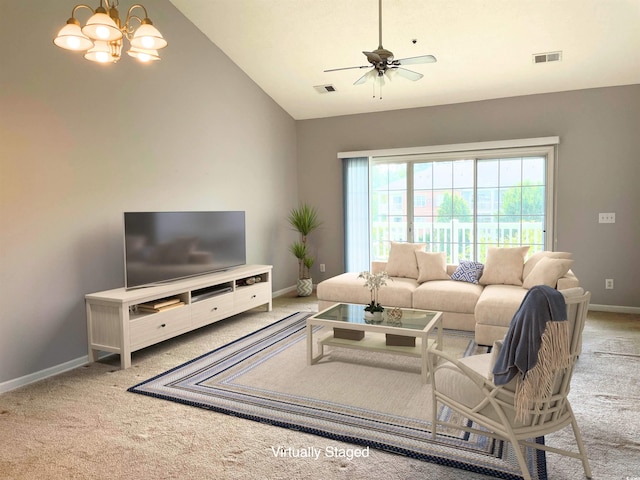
(409, 74)
(416, 60)
(373, 73)
(347, 68)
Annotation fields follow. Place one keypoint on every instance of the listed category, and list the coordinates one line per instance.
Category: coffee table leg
(423, 350)
(309, 344)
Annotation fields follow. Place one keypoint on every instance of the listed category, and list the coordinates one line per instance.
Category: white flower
(373, 282)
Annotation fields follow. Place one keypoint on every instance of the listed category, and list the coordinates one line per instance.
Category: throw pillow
(536, 257)
(547, 272)
(431, 266)
(468, 271)
(504, 266)
(402, 260)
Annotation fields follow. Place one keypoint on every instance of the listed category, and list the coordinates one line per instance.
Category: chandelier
(102, 37)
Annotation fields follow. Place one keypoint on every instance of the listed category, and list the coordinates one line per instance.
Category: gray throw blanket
(519, 352)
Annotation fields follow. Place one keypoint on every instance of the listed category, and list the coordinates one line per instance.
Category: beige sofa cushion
(348, 288)
(498, 304)
(504, 266)
(431, 266)
(402, 260)
(447, 296)
(536, 257)
(547, 271)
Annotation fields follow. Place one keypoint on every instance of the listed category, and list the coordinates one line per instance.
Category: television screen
(164, 246)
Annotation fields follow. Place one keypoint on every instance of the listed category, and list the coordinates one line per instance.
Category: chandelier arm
(127, 28)
(137, 5)
(73, 12)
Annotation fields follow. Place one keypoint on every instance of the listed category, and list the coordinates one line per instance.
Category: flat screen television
(163, 246)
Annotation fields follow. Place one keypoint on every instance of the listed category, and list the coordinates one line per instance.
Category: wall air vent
(547, 57)
(325, 88)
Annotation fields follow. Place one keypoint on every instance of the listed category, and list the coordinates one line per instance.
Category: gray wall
(598, 170)
(80, 143)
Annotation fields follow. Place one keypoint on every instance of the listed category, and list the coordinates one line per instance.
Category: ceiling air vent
(547, 57)
(325, 88)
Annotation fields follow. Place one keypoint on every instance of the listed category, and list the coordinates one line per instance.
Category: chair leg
(434, 418)
(521, 460)
(581, 449)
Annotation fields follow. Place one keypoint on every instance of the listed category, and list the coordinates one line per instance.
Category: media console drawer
(149, 329)
(247, 297)
(211, 310)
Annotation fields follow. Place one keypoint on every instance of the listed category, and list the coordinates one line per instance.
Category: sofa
(472, 296)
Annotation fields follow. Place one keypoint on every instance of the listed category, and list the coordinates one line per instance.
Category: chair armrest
(480, 380)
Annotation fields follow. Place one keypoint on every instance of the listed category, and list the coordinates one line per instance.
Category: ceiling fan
(384, 64)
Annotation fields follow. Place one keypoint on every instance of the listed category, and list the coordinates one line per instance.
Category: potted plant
(373, 282)
(304, 220)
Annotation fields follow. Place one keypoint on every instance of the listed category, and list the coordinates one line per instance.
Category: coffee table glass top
(350, 313)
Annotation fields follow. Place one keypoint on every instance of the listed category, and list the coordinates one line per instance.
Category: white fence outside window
(456, 238)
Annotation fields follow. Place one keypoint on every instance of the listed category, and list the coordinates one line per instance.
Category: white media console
(123, 321)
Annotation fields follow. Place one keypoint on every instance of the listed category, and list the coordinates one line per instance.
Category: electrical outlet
(322, 267)
(607, 218)
(608, 284)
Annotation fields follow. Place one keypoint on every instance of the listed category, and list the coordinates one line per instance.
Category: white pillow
(402, 260)
(536, 257)
(431, 266)
(504, 266)
(547, 272)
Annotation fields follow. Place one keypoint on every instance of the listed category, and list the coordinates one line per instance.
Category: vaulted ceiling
(484, 48)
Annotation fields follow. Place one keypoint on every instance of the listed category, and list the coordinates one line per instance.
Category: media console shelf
(123, 321)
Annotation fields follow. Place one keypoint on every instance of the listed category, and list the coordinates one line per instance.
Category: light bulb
(147, 42)
(144, 57)
(102, 32)
(73, 42)
(102, 57)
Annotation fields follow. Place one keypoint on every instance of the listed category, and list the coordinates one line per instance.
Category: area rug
(364, 398)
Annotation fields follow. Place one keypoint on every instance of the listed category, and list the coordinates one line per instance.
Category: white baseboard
(614, 309)
(42, 374)
(284, 291)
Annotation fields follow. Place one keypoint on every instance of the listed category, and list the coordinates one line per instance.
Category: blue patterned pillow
(468, 272)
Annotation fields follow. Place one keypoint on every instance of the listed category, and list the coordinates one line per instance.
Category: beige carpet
(84, 424)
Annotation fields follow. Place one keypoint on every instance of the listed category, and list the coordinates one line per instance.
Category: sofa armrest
(568, 281)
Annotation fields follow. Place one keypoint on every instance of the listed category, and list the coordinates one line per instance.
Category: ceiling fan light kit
(383, 64)
(102, 36)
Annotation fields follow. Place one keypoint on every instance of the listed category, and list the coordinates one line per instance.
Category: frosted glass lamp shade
(102, 27)
(100, 53)
(70, 37)
(148, 37)
(144, 55)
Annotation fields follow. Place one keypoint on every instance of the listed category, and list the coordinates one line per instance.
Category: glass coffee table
(349, 329)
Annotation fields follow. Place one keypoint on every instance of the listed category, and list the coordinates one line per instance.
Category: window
(461, 203)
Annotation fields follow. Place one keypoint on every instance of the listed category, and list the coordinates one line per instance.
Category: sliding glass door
(461, 204)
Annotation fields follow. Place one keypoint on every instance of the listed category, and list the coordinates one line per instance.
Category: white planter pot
(304, 287)
(373, 316)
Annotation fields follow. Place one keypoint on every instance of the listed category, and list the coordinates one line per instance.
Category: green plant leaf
(304, 219)
(299, 250)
